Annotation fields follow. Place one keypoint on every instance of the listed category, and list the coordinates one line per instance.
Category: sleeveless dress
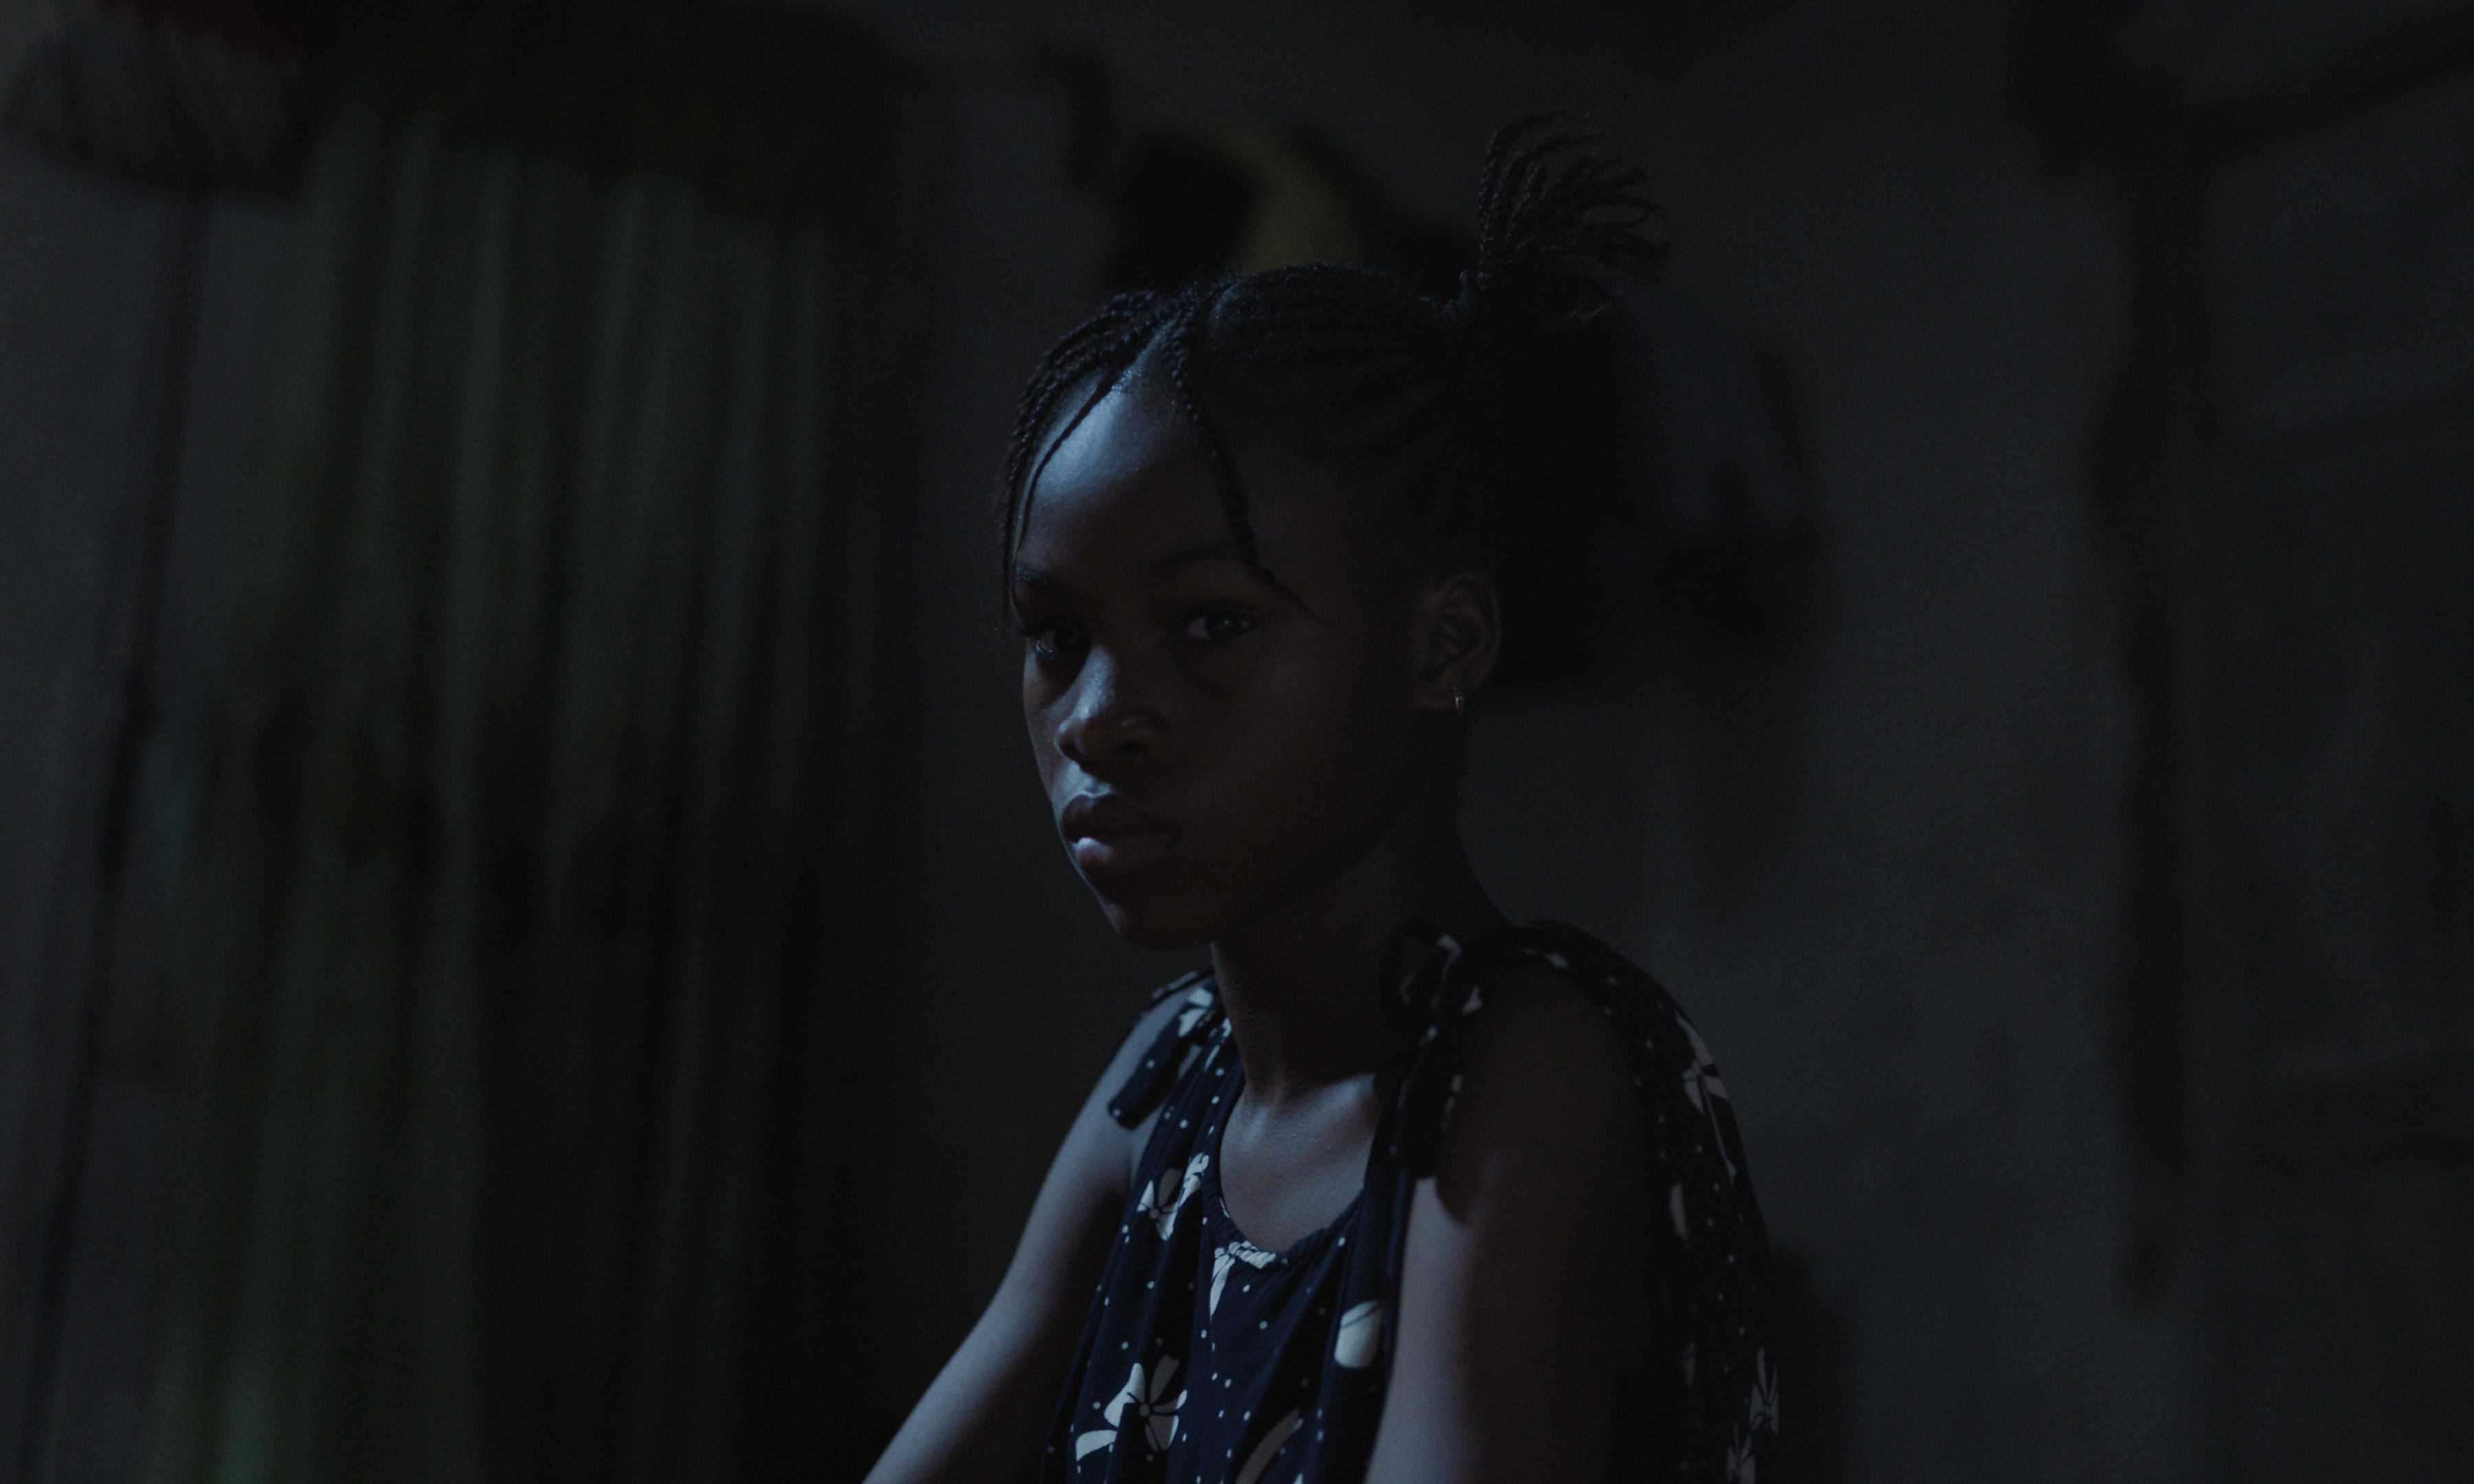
(1209, 1361)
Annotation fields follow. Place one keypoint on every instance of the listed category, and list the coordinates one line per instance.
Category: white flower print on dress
(1226, 1257)
(1761, 1407)
(1268, 1449)
(1142, 1408)
(1198, 1004)
(1359, 1334)
(1740, 1462)
(1221, 1262)
(1701, 1084)
(1162, 1202)
(1701, 1081)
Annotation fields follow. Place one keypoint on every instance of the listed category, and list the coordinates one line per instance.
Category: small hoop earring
(1460, 703)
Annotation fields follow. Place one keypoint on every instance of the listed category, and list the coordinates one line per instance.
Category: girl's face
(1213, 748)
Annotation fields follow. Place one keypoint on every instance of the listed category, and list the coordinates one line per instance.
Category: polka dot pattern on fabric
(1279, 1360)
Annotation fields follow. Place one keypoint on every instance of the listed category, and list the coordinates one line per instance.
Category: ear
(1460, 632)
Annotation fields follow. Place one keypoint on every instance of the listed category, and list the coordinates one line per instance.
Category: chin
(1153, 914)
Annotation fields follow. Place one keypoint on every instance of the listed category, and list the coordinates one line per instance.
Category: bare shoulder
(1531, 1014)
(1543, 1080)
(1516, 1291)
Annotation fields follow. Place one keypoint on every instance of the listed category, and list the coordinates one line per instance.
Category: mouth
(1108, 834)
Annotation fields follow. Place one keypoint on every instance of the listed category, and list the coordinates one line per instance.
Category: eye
(1215, 626)
(1052, 643)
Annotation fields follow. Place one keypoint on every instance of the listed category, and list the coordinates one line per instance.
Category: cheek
(1318, 738)
(1039, 704)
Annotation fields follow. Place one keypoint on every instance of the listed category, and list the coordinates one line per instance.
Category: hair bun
(1550, 371)
(1551, 207)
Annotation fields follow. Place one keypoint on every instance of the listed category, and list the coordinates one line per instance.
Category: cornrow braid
(1493, 423)
(1100, 346)
(1184, 338)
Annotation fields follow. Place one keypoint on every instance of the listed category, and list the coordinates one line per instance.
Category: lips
(1108, 833)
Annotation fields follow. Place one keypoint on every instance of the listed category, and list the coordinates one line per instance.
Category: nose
(1106, 721)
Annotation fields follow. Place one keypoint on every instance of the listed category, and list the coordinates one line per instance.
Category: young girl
(1398, 1189)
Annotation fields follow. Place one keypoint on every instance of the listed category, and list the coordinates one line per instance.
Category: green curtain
(515, 879)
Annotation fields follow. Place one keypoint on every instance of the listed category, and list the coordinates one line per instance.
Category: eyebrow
(1176, 560)
(1208, 551)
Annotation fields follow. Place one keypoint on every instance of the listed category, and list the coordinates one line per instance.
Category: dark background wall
(1894, 868)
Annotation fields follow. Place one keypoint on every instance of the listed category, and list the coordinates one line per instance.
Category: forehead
(1128, 470)
(1130, 483)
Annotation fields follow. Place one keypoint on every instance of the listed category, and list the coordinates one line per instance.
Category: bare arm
(1515, 1291)
(985, 1417)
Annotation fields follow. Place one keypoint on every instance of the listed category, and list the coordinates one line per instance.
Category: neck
(1299, 982)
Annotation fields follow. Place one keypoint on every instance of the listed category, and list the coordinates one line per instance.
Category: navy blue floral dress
(1209, 1361)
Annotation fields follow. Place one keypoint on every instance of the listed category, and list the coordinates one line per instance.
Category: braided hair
(1494, 421)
